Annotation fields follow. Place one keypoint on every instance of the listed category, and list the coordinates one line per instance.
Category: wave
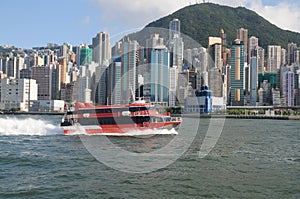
(131, 133)
(27, 126)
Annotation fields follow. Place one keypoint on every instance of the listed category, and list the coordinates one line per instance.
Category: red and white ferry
(116, 119)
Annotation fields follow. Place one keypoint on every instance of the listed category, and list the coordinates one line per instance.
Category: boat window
(140, 120)
(138, 108)
(168, 119)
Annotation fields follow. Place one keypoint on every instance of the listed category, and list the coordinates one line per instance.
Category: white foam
(152, 132)
(130, 133)
(27, 126)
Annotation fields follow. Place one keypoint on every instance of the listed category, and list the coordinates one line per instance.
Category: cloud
(285, 15)
(138, 13)
(85, 21)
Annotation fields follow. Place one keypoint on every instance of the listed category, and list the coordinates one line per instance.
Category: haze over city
(34, 23)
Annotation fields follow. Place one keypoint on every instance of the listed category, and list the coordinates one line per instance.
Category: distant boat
(117, 119)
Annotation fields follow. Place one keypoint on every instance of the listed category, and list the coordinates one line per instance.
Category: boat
(116, 120)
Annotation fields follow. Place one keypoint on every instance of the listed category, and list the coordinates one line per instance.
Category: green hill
(203, 20)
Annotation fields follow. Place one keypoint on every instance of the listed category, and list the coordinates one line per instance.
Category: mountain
(200, 21)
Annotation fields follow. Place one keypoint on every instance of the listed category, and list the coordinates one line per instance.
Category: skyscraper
(237, 73)
(173, 76)
(160, 76)
(176, 47)
(253, 81)
(292, 48)
(130, 59)
(154, 41)
(215, 52)
(63, 69)
(174, 28)
(274, 58)
(215, 82)
(260, 60)
(253, 44)
(288, 88)
(114, 82)
(101, 84)
(43, 77)
(101, 48)
(242, 35)
(224, 44)
(85, 55)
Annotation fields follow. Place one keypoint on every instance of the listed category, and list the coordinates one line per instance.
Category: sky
(32, 23)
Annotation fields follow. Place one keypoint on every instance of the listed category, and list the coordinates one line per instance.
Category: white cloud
(85, 21)
(138, 13)
(285, 15)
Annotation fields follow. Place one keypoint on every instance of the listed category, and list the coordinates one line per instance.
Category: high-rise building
(237, 73)
(101, 85)
(253, 45)
(12, 67)
(160, 76)
(114, 81)
(176, 47)
(84, 86)
(174, 28)
(43, 77)
(288, 88)
(215, 52)
(101, 49)
(253, 81)
(63, 69)
(275, 97)
(17, 93)
(173, 76)
(56, 84)
(222, 35)
(85, 55)
(283, 57)
(274, 58)
(292, 48)
(129, 74)
(153, 42)
(242, 35)
(215, 82)
(260, 60)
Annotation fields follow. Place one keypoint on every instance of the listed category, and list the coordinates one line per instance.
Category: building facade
(237, 74)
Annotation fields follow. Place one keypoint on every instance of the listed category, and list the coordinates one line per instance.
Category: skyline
(65, 21)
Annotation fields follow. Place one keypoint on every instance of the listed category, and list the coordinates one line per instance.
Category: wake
(37, 127)
(27, 126)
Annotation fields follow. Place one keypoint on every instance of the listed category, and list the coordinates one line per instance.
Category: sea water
(250, 159)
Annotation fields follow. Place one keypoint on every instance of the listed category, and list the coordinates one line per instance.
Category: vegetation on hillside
(203, 20)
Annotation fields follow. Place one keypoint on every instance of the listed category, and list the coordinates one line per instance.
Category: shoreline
(275, 117)
(186, 115)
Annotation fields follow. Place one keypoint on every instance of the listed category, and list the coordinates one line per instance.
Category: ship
(117, 120)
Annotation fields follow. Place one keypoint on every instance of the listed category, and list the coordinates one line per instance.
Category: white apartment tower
(274, 58)
(101, 49)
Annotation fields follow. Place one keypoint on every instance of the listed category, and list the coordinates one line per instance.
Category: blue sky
(30, 23)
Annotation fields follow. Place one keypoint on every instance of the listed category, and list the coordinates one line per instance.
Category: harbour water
(251, 159)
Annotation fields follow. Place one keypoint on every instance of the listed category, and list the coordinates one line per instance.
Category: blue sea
(205, 158)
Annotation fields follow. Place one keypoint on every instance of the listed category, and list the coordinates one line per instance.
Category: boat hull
(117, 130)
